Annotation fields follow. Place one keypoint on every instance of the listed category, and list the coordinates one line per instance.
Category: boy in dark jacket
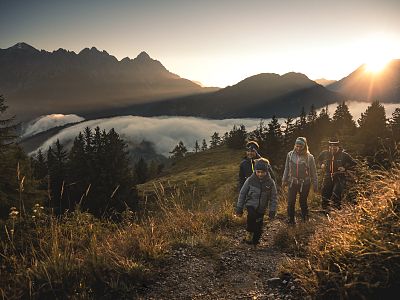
(257, 194)
(334, 162)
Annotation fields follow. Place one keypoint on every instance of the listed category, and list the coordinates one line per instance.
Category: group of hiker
(257, 183)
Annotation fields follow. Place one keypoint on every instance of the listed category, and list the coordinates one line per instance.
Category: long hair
(305, 149)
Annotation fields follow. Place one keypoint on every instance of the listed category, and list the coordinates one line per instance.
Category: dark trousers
(294, 189)
(332, 190)
(254, 223)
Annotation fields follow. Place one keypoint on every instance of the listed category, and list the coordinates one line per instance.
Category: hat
(333, 141)
(261, 165)
(301, 141)
(252, 145)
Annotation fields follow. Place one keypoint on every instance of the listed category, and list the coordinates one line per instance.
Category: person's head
(300, 146)
(334, 145)
(261, 167)
(251, 149)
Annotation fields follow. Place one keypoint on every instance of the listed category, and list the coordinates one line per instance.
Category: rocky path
(240, 272)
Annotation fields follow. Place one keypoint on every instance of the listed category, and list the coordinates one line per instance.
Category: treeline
(373, 136)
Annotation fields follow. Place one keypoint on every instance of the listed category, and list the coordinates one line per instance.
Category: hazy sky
(215, 42)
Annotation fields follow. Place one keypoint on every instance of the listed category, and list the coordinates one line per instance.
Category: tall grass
(355, 254)
(77, 255)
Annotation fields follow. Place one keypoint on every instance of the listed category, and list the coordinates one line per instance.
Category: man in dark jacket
(334, 162)
(247, 165)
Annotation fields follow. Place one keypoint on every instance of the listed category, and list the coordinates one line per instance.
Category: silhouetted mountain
(259, 96)
(324, 82)
(39, 82)
(383, 86)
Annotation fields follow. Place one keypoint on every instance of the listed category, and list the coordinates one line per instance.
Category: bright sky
(215, 42)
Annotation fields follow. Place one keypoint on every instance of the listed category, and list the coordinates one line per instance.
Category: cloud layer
(165, 132)
(47, 122)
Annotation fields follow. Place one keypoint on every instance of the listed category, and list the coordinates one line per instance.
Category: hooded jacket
(258, 193)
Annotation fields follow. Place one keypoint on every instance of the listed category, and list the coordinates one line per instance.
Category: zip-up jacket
(258, 193)
(334, 161)
(300, 168)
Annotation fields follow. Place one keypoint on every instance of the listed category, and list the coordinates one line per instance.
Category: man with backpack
(334, 163)
(300, 172)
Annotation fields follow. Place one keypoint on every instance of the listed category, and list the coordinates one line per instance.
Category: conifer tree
(342, 120)
(373, 128)
(215, 140)
(394, 124)
(204, 145)
(196, 147)
(179, 151)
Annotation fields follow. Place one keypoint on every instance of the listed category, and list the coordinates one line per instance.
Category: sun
(377, 51)
(377, 65)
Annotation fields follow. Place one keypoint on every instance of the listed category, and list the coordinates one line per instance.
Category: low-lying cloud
(165, 132)
(45, 123)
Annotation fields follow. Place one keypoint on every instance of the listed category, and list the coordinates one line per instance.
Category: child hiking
(257, 194)
(300, 172)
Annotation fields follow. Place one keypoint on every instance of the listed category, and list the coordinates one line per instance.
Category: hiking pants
(254, 223)
(294, 189)
(332, 192)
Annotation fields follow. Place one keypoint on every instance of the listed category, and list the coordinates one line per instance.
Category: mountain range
(37, 82)
(95, 84)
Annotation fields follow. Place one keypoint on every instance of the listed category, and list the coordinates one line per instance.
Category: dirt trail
(240, 272)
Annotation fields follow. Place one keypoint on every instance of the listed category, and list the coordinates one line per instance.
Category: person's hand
(322, 166)
(341, 169)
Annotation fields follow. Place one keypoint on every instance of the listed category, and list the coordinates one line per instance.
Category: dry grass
(79, 256)
(355, 254)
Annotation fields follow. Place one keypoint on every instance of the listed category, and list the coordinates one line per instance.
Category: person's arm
(273, 201)
(285, 176)
(242, 197)
(350, 161)
(313, 171)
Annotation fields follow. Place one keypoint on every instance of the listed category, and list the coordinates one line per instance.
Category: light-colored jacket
(300, 167)
(259, 194)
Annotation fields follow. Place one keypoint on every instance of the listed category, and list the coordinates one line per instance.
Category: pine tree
(274, 139)
(237, 137)
(373, 128)
(259, 133)
(204, 145)
(215, 140)
(179, 151)
(289, 134)
(342, 120)
(7, 126)
(196, 147)
(141, 171)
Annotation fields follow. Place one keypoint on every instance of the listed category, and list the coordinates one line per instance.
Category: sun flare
(377, 65)
(378, 50)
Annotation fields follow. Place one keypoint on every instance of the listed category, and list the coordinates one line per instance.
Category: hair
(305, 149)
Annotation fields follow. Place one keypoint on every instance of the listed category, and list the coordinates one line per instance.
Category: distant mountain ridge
(259, 96)
(364, 85)
(37, 82)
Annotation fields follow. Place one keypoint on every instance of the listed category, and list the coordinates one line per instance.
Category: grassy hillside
(353, 253)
